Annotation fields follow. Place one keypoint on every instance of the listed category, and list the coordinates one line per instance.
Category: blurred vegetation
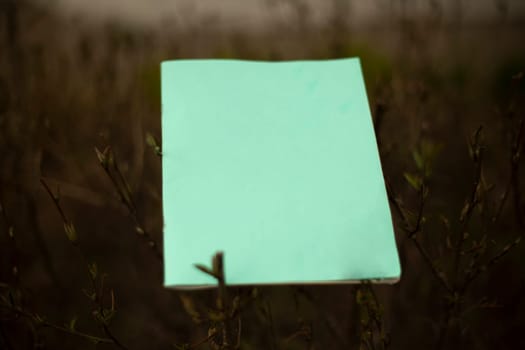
(80, 186)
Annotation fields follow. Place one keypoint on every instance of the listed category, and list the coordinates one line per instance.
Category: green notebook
(276, 165)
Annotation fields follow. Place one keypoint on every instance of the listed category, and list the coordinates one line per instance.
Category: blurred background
(446, 87)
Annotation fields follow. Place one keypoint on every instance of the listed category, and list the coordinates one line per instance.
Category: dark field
(448, 99)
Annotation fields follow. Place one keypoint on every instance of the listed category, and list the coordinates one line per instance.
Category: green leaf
(107, 315)
(190, 308)
(110, 156)
(73, 323)
(102, 158)
(38, 319)
(418, 159)
(93, 270)
(140, 230)
(90, 295)
(71, 232)
(216, 316)
(464, 212)
(414, 180)
(152, 142)
(430, 150)
(425, 155)
(94, 340)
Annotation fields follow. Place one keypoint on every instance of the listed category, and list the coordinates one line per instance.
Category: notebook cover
(275, 164)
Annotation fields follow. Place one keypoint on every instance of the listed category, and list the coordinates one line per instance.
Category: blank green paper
(275, 164)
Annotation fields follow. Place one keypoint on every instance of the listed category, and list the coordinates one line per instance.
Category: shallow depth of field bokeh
(447, 93)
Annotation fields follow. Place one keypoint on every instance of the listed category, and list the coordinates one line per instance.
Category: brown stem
(502, 201)
(515, 178)
(480, 269)
(44, 323)
(222, 299)
(55, 199)
(471, 204)
(98, 293)
(272, 327)
(5, 339)
(113, 338)
(32, 215)
(444, 329)
(15, 269)
(109, 165)
(203, 341)
(412, 233)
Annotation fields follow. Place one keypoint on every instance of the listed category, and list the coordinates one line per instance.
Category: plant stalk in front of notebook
(222, 334)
